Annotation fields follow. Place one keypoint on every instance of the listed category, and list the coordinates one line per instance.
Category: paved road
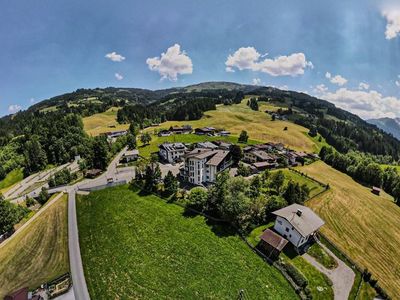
(75, 260)
(342, 277)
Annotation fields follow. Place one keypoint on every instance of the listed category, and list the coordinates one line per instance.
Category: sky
(346, 52)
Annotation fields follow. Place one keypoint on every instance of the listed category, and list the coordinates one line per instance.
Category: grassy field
(103, 122)
(315, 187)
(258, 124)
(12, 178)
(38, 253)
(140, 247)
(363, 225)
(146, 151)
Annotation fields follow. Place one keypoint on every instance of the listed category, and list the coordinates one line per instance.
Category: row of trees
(62, 177)
(10, 214)
(247, 203)
(364, 169)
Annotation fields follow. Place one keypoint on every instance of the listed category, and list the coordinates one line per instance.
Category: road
(17, 194)
(75, 259)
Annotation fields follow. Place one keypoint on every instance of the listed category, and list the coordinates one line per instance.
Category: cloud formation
(393, 23)
(13, 108)
(363, 86)
(248, 58)
(256, 81)
(118, 76)
(115, 57)
(338, 79)
(172, 63)
(366, 104)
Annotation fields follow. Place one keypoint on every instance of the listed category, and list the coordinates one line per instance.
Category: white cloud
(118, 76)
(172, 63)
(393, 23)
(397, 82)
(363, 86)
(115, 57)
(229, 69)
(247, 58)
(366, 104)
(320, 89)
(13, 108)
(32, 100)
(256, 81)
(338, 79)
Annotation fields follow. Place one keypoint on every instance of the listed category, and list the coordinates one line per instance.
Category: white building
(130, 155)
(297, 223)
(202, 165)
(172, 152)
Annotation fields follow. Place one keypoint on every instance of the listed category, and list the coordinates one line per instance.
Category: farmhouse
(297, 223)
(115, 134)
(130, 155)
(164, 133)
(172, 152)
(205, 131)
(202, 165)
(185, 129)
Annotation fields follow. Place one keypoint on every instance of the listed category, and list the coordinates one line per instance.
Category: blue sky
(347, 53)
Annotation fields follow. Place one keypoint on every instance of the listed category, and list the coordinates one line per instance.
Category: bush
(29, 202)
(295, 274)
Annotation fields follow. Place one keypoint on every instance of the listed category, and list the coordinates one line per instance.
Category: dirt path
(342, 277)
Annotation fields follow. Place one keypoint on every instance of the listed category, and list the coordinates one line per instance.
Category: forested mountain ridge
(389, 125)
(53, 128)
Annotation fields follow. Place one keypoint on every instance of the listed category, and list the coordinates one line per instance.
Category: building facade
(172, 152)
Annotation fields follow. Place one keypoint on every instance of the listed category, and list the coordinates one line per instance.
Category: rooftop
(305, 222)
(173, 146)
(219, 156)
(273, 239)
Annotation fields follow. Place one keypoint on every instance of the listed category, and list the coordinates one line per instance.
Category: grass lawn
(146, 151)
(258, 125)
(315, 187)
(322, 256)
(361, 224)
(12, 178)
(103, 122)
(38, 253)
(140, 247)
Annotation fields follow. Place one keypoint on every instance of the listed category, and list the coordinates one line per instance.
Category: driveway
(342, 277)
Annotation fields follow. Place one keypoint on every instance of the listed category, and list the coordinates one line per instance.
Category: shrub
(295, 274)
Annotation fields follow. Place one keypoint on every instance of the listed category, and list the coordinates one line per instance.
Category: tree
(131, 141)
(29, 201)
(243, 137)
(170, 184)
(291, 193)
(35, 156)
(313, 131)
(255, 187)
(133, 129)
(243, 170)
(10, 214)
(43, 196)
(100, 149)
(152, 177)
(236, 153)
(145, 138)
(276, 181)
(197, 198)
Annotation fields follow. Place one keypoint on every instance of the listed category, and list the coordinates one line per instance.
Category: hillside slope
(363, 225)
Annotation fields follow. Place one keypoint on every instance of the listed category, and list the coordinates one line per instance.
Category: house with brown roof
(203, 164)
(297, 223)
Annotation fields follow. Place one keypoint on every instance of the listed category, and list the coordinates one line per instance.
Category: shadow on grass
(290, 251)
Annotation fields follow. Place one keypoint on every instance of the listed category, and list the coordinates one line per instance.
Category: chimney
(299, 212)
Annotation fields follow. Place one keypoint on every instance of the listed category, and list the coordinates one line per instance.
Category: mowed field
(258, 125)
(11, 179)
(140, 247)
(363, 225)
(38, 253)
(103, 122)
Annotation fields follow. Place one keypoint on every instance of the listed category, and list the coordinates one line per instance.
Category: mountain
(341, 129)
(388, 125)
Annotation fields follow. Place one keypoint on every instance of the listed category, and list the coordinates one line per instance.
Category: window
(279, 222)
(287, 229)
